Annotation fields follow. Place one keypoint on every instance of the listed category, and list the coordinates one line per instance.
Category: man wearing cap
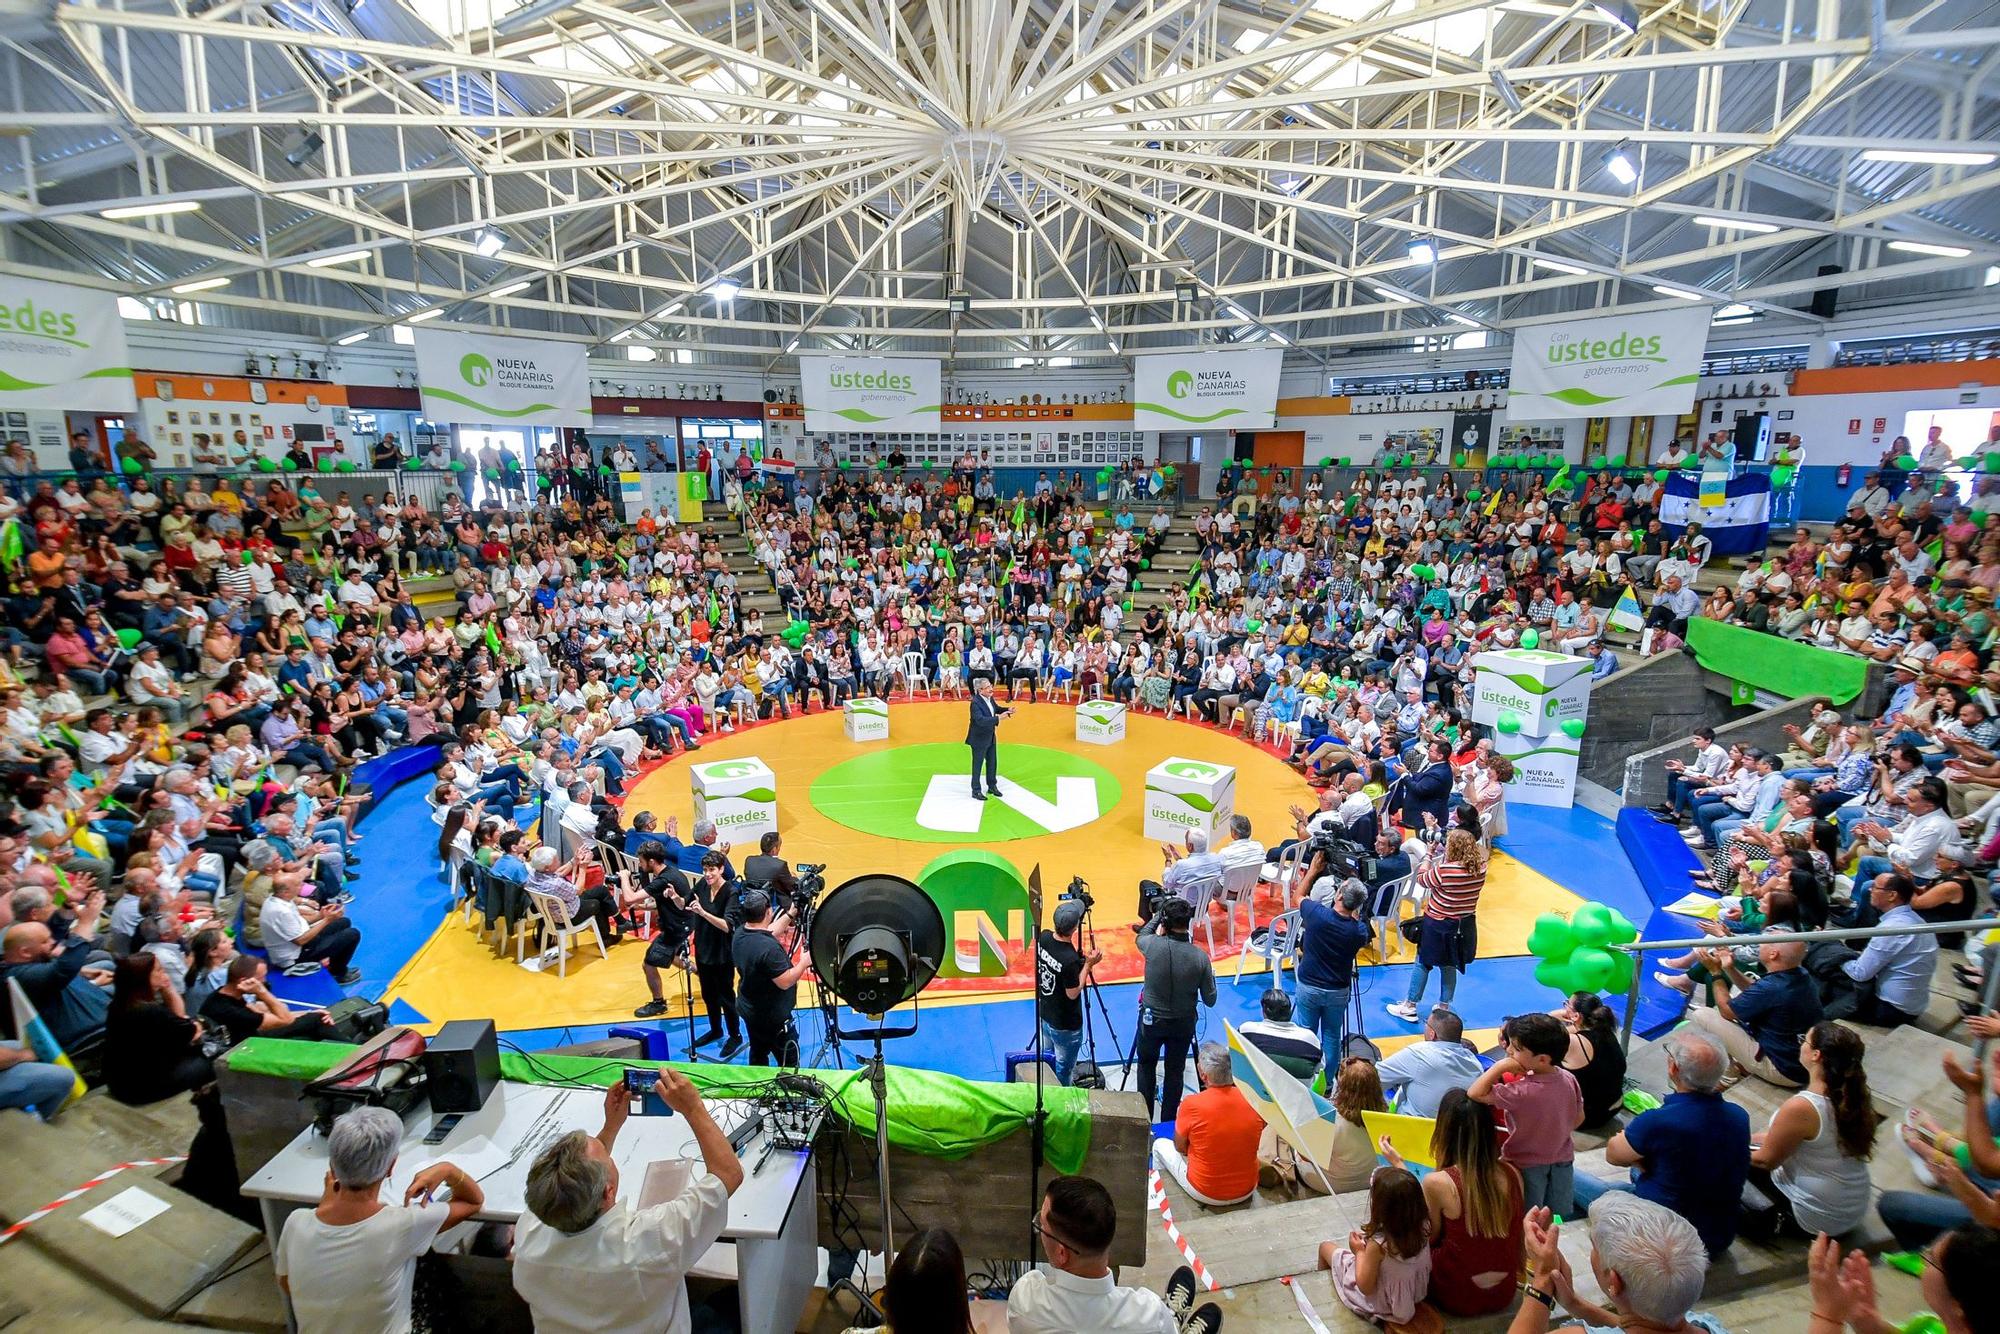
(1062, 971)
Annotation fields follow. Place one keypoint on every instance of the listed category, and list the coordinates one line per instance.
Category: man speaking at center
(979, 734)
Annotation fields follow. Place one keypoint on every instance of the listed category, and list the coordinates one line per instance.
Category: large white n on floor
(949, 806)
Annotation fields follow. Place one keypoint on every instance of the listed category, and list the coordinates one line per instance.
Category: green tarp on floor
(941, 1116)
(1775, 664)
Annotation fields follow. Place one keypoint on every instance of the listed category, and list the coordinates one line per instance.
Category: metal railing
(1641, 948)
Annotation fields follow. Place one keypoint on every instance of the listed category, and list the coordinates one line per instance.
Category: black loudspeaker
(462, 1065)
(1245, 450)
(1753, 436)
(1826, 301)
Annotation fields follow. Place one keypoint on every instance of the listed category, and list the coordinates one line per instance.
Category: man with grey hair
(1184, 873)
(1213, 1154)
(1241, 850)
(1691, 1153)
(1647, 1260)
(584, 1259)
(687, 856)
(347, 1264)
(1329, 938)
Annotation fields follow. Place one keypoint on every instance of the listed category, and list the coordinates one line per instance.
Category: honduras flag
(35, 1036)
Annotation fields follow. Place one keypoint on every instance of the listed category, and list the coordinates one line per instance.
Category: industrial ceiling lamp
(724, 289)
(1423, 250)
(1620, 163)
(961, 303)
(304, 145)
(489, 244)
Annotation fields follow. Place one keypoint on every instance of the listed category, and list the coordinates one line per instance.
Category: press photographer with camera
(1062, 971)
(769, 965)
(674, 911)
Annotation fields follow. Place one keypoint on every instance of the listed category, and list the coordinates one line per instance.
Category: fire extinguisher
(1846, 471)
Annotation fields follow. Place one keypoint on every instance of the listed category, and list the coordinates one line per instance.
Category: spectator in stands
(1384, 1269)
(1475, 1204)
(243, 1007)
(1188, 870)
(1213, 1154)
(1709, 765)
(1648, 1262)
(152, 1050)
(1422, 1073)
(1761, 1023)
(52, 978)
(1692, 1152)
(1542, 1103)
(1966, 1165)
(1892, 974)
(925, 1288)
(585, 1258)
(1594, 1055)
(1811, 1163)
(1957, 1281)
(348, 1263)
(1448, 930)
(1076, 1289)
(41, 1087)
(296, 931)
(1294, 1047)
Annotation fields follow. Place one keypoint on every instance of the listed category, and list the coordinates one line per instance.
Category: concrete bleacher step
(159, 1266)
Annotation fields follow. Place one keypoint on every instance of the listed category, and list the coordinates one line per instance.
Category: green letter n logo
(1192, 769)
(728, 769)
(475, 370)
(1180, 384)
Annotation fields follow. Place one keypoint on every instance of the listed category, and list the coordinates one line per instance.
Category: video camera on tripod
(1078, 891)
(1339, 855)
(804, 901)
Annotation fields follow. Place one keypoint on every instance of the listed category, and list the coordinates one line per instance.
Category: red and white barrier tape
(1306, 1308)
(17, 1229)
(1156, 1198)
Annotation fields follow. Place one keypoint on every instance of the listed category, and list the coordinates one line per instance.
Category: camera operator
(1182, 869)
(1179, 977)
(1329, 938)
(769, 872)
(674, 909)
(764, 950)
(1388, 865)
(1062, 971)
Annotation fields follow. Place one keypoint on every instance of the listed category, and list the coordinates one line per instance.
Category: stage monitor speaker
(1826, 301)
(462, 1065)
(1246, 447)
(1753, 436)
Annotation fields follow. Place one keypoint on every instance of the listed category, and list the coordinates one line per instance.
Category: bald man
(52, 977)
(1761, 1023)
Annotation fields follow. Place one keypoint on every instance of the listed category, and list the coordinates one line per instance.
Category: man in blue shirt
(1892, 976)
(687, 856)
(1691, 1153)
(1761, 1023)
(52, 978)
(1329, 938)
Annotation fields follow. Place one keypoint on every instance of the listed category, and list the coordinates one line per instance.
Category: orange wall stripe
(1888, 379)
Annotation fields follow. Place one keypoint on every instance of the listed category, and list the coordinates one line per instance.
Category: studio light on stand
(876, 942)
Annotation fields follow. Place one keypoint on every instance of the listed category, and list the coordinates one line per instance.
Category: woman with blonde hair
(1448, 931)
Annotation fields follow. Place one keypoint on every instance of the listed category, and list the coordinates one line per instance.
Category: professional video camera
(1340, 855)
(1079, 892)
(804, 900)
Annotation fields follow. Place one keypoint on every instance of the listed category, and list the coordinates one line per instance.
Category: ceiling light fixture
(344, 257)
(351, 339)
(1234, 311)
(724, 289)
(1461, 319)
(1557, 266)
(1929, 157)
(423, 315)
(489, 244)
(305, 145)
(1621, 12)
(203, 285)
(1734, 224)
(961, 303)
(1926, 248)
(511, 288)
(1734, 313)
(1505, 88)
(124, 211)
(1680, 292)
(1186, 291)
(1620, 163)
(1423, 250)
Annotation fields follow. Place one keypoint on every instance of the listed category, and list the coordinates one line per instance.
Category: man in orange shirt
(1213, 1154)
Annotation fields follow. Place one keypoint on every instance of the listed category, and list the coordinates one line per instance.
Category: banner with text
(63, 347)
(871, 393)
(1631, 365)
(1236, 391)
(477, 380)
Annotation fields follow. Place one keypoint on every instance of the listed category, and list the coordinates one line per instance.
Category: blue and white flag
(1740, 524)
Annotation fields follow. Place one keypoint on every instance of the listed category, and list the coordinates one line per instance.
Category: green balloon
(1346, 462)
(1460, 459)
(1509, 722)
(325, 463)
(492, 474)
(267, 464)
(1659, 474)
(458, 465)
(288, 463)
(133, 467)
(1550, 937)
(1905, 463)
(843, 465)
(1531, 638)
(1627, 966)
(1591, 924)
(851, 563)
(411, 465)
(928, 465)
(345, 465)
(1990, 463)
(1145, 564)
(603, 470)
(1781, 476)
(1554, 974)
(1127, 604)
(1592, 968)
(1326, 462)
(1424, 572)
(1572, 728)
(1472, 494)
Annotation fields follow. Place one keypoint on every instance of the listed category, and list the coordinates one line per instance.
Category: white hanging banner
(1235, 391)
(63, 347)
(871, 393)
(478, 380)
(1638, 365)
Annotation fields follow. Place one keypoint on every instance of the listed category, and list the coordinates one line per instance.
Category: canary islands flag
(1626, 614)
(35, 1036)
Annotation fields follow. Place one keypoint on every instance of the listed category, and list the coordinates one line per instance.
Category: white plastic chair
(913, 672)
(1387, 923)
(556, 924)
(1202, 893)
(1285, 872)
(1239, 885)
(1279, 947)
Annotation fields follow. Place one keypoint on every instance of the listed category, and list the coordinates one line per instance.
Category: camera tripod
(1087, 1068)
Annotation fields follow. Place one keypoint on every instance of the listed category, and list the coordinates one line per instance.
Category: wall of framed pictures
(1038, 445)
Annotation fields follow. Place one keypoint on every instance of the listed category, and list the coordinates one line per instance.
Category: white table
(773, 1222)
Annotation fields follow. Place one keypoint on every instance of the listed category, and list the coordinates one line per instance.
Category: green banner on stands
(1780, 665)
(940, 1116)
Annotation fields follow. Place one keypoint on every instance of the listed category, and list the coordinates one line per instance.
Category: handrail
(1641, 948)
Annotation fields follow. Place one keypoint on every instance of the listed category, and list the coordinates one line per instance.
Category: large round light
(877, 941)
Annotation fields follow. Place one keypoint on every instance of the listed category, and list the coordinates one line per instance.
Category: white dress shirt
(1049, 1301)
(626, 1272)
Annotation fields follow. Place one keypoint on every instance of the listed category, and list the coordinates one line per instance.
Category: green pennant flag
(493, 640)
(1742, 693)
(10, 543)
(714, 610)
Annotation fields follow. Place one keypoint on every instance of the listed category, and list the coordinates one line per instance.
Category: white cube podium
(740, 797)
(1543, 689)
(1538, 704)
(1183, 794)
(1100, 722)
(865, 719)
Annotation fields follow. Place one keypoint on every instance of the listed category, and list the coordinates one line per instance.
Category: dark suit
(979, 734)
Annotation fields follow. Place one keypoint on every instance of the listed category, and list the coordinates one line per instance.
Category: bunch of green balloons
(266, 464)
(1573, 954)
(1905, 463)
